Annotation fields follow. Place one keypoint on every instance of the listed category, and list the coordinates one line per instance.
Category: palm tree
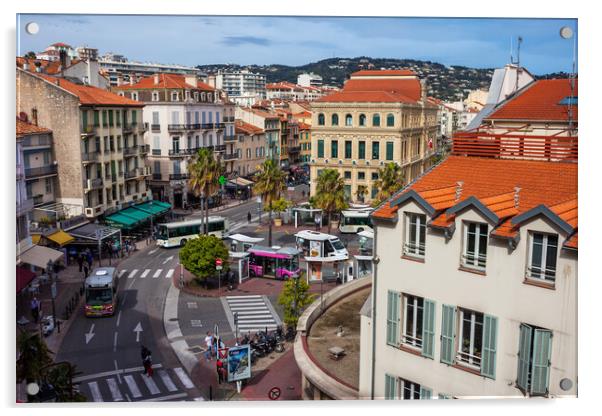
(390, 179)
(330, 193)
(204, 174)
(34, 356)
(362, 190)
(269, 183)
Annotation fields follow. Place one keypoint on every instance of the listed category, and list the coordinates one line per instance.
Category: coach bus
(178, 233)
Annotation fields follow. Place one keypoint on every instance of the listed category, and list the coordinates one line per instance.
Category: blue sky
(194, 40)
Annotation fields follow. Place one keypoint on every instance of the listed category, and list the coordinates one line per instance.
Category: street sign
(222, 180)
(239, 363)
(274, 393)
(218, 264)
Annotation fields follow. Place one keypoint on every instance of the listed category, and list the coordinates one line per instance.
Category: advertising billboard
(239, 363)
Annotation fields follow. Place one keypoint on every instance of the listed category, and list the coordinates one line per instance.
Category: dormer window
(155, 96)
(135, 96)
(474, 254)
(175, 96)
(196, 96)
(203, 96)
(120, 93)
(543, 250)
(415, 235)
(187, 95)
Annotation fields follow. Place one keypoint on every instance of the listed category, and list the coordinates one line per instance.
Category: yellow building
(377, 118)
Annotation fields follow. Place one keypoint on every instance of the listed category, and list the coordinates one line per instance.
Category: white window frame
(477, 258)
(412, 340)
(176, 95)
(469, 359)
(135, 96)
(155, 96)
(414, 389)
(413, 249)
(544, 252)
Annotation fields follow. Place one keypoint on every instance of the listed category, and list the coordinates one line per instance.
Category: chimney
(516, 196)
(156, 79)
(459, 185)
(34, 116)
(132, 80)
(119, 80)
(25, 66)
(63, 59)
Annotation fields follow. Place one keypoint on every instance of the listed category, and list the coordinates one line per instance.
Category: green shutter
(448, 329)
(320, 148)
(425, 394)
(390, 385)
(85, 119)
(428, 329)
(444, 396)
(389, 150)
(392, 318)
(542, 351)
(524, 356)
(489, 346)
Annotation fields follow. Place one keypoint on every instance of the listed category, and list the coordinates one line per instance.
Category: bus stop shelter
(305, 216)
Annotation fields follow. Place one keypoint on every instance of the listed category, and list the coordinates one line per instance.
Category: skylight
(568, 101)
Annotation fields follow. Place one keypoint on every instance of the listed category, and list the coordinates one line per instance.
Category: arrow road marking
(138, 330)
(170, 258)
(90, 334)
(153, 251)
(157, 273)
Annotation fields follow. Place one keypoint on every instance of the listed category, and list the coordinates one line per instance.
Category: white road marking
(183, 377)
(90, 334)
(157, 273)
(132, 386)
(117, 397)
(169, 274)
(163, 398)
(132, 273)
(112, 373)
(170, 258)
(138, 330)
(192, 305)
(144, 273)
(118, 318)
(167, 380)
(151, 385)
(242, 296)
(153, 251)
(117, 368)
(115, 342)
(121, 272)
(250, 308)
(96, 396)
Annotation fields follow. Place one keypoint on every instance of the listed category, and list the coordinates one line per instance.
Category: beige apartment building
(250, 148)
(377, 118)
(97, 137)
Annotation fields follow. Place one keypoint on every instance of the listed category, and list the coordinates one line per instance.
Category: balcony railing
(219, 125)
(183, 152)
(231, 156)
(128, 127)
(87, 131)
(207, 125)
(93, 183)
(37, 141)
(41, 171)
(130, 151)
(156, 128)
(219, 148)
(193, 126)
(230, 138)
(156, 152)
(178, 176)
(131, 174)
(38, 199)
(157, 176)
(294, 149)
(176, 127)
(143, 149)
(90, 157)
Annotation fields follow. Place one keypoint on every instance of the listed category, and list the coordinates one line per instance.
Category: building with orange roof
(184, 114)
(97, 139)
(249, 149)
(270, 123)
(377, 118)
(475, 291)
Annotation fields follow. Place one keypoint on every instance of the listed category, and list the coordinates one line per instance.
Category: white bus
(316, 244)
(355, 221)
(177, 233)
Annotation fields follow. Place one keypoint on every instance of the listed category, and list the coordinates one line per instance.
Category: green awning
(136, 214)
(121, 221)
(153, 207)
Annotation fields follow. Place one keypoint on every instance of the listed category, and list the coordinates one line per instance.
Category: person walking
(219, 365)
(80, 261)
(147, 362)
(249, 217)
(35, 309)
(209, 344)
(89, 257)
(86, 271)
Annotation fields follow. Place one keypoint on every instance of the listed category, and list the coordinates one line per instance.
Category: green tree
(330, 193)
(30, 55)
(362, 190)
(390, 180)
(269, 183)
(204, 174)
(34, 355)
(60, 376)
(295, 297)
(279, 206)
(198, 256)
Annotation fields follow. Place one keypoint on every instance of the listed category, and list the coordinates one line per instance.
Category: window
(155, 117)
(347, 149)
(376, 120)
(334, 120)
(534, 354)
(174, 96)
(374, 192)
(96, 118)
(334, 149)
(362, 120)
(347, 174)
(375, 150)
(415, 235)
(155, 96)
(118, 117)
(105, 120)
(348, 120)
(543, 250)
(470, 337)
(48, 185)
(390, 120)
(320, 148)
(361, 151)
(361, 176)
(475, 245)
(374, 176)
(412, 320)
(389, 151)
(399, 388)
(106, 144)
(134, 118)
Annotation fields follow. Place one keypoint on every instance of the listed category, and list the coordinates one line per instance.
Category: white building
(52, 52)
(243, 87)
(309, 80)
(120, 70)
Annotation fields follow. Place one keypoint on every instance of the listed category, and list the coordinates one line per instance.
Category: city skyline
(471, 42)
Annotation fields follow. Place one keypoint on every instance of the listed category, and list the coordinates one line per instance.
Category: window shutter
(390, 382)
(489, 346)
(425, 394)
(448, 329)
(540, 372)
(444, 396)
(428, 329)
(524, 356)
(392, 318)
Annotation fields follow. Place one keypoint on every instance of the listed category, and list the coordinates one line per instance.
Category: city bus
(278, 263)
(355, 221)
(101, 292)
(177, 233)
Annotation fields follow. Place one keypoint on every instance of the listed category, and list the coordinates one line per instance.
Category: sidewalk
(283, 374)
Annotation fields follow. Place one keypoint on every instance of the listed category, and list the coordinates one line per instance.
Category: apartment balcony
(90, 184)
(193, 126)
(41, 171)
(130, 151)
(128, 128)
(157, 176)
(176, 127)
(143, 149)
(25, 206)
(229, 138)
(178, 176)
(136, 173)
(87, 131)
(183, 152)
(414, 158)
(156, 152)
(207, 126)
(219, 148)
(230, 156)
(219, 125)
(228, 119)
(36, 142)
(156, 128)
(90, 157)
(294, 149)
(94, 211)
(142, 127)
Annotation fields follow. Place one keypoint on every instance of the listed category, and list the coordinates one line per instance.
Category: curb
(173, 332)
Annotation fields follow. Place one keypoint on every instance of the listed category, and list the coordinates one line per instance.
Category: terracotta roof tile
(165, 81)
(384, 72)
(24, 128)
(246, 128)
(572, 242)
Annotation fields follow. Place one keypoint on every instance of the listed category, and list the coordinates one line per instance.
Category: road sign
(218, 262)
(274, 393)
(222, 180)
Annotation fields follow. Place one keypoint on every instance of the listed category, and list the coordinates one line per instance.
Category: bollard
(210, 393)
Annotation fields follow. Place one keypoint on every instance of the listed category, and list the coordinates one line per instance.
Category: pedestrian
(147, 362)
(209, 344)
(219, 365)
(303, 193)
(249, 216)
(80, 261)
(89, 258)
(86, 270)
(35, 309)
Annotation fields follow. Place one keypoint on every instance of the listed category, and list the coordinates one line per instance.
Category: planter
(277, 222)
(335, 224)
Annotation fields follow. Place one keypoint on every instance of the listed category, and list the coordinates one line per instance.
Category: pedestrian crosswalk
(254, 313)
(147, 273)
(133, 385)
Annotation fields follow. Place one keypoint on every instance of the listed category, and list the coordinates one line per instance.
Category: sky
(289, 40)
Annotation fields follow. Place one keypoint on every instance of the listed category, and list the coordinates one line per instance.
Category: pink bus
(278, 263)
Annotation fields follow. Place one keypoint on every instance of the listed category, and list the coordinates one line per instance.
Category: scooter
(47, 325)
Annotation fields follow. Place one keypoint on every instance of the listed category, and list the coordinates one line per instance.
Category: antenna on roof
(567, 33)
(517, 62)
